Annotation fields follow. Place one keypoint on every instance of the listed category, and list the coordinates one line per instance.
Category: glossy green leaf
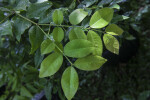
(77, 16)
(116, 6)
(78, 48)
(6, 28)
(89, 63)
(46, 17)
(114, 29)
(96, 40)
(101, 18)
(51, 64)
(25, 92)
(77, 33)
(36, 37)
(57, 17)
(70, 82)
(111, 43)
(60, 46)
(36, 9)
(47, 46)
(22, 5)
(19, 26)
(58, 34)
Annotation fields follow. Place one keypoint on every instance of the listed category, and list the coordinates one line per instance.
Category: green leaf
(101, 18)
(19, 26)
(78, 48)
(77, 16)
(57, 17)
(77, 33)
(22, 5)
(116, 6)
(47, 46)
(46, 17)
(96, 40)
(70, 82)
(36, 9)
(6, 28)
(48, 91)
(51, 65)
(111, 43)
(25, 92)
(118, 18)
(60, 46)
(36, 37)
(90, 63)
(104, 2)
(113, 29)
(58, 34)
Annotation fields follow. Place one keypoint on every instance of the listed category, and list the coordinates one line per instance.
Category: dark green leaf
(22, 5)
(6, 28)
(25, 92)
(89, 63)
(70, 82)
(51, 65)
(19, 26)
(36, 9)
(36, 37)
(78, 48)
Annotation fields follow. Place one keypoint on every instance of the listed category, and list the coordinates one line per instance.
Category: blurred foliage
(122, 81)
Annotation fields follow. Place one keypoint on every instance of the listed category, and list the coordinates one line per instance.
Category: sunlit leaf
(77, 16)
(51, 64)
(111, 43)
(114, 29)
(57, 17)
(70, 82)
(58, 34)
(101, 18)
(78, 48)
(77, 33)
(89, 63)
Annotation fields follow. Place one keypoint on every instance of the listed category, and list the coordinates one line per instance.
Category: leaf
(58, 34)
(90, 63)
(46, 17)
(113, 29)
(25, 92)
(104, 2)
(19, 26)
(111, 43)
(36, 9)
(118, 18)
(35, 37)
(22, 5)
(77, 33)
(77, 16)
(60, 46)
(6, 28)
(38, 58)
(70, 82)
(57, 17)
(101, 18)
(96, 40)
(51, 64)
(78, 48)
(47, 46)
(116, 6)
(48, 91)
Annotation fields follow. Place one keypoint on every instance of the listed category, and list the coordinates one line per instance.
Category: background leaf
(51, 64)
(36, 37)
(89, 63)
(57, 16)
(70, 82)
(77, 16)
(18, 27)
(77, 33)
(111, 43)
(78, 48)
(101, 18)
